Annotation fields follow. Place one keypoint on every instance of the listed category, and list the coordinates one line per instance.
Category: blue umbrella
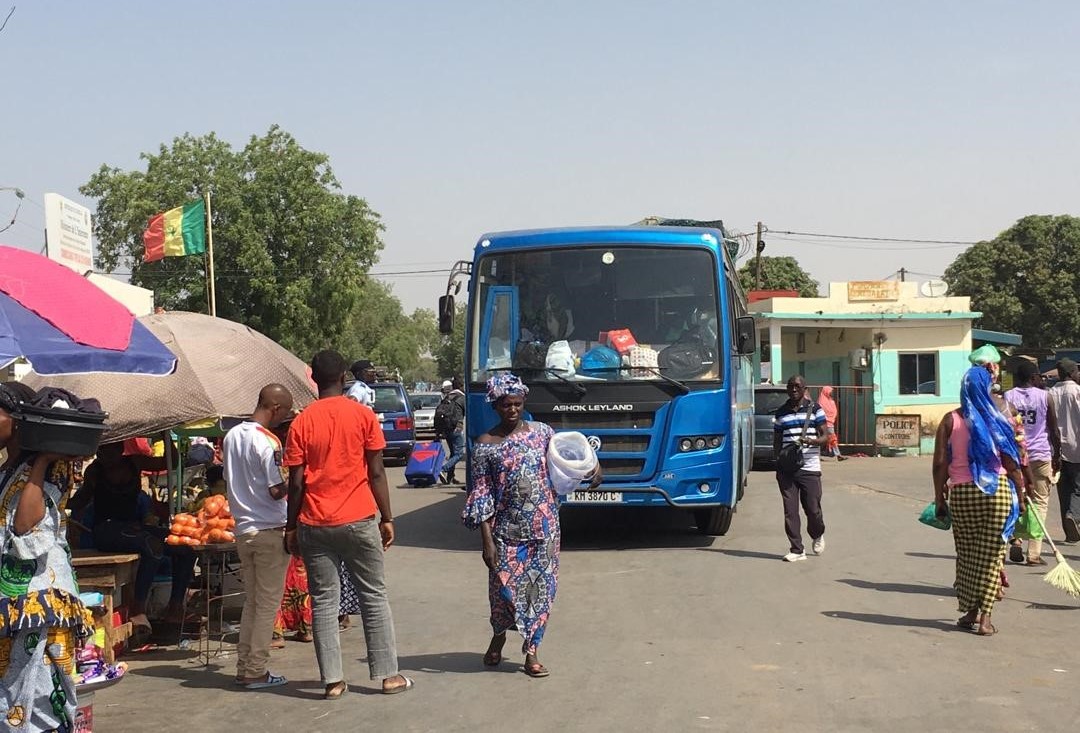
(24, 333)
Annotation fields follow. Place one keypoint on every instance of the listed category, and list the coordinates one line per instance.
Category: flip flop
(991, 632)
(536, 670)
(336, 690)
(400, 688)
(272, 680)
(493, 659)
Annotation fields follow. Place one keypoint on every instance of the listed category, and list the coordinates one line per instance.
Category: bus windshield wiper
(579, 390)
(654, 370)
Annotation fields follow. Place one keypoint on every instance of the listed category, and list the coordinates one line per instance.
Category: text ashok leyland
(592, 408)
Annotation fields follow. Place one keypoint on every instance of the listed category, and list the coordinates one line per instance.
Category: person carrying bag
(800, 430)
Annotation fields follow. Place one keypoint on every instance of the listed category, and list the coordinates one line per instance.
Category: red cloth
(330, 439)
(828, 405)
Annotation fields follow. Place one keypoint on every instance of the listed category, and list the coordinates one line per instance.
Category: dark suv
(395, 413)
(768, 398)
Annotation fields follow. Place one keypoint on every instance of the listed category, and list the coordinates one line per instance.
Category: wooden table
(105, 572)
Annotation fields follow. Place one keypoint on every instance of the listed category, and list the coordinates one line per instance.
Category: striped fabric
(788, 421)
(980, 552)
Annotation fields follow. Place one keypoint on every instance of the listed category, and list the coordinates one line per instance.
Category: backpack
(448, 414)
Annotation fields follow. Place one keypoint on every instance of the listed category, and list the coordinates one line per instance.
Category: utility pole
(903, 275)
(760, 246)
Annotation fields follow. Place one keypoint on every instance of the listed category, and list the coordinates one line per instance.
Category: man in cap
(450, 426)
(1065, 398)
(361, 390)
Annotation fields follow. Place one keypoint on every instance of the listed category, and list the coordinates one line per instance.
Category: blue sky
(915, 119)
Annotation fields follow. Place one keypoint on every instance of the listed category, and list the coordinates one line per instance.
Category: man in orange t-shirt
(339, 513)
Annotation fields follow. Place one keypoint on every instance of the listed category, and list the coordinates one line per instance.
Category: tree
(1025, 281)
(451, 352)
(381, 331)
(778, 273)
(290, 249)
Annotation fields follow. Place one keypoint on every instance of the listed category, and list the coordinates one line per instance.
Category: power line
(839, 245)
(871, 239)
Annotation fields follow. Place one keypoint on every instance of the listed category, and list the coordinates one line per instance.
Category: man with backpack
(450, 426)
(800, 430)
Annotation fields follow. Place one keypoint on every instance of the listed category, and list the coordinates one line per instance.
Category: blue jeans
(149, 542)
(457, 450)
(359, 546)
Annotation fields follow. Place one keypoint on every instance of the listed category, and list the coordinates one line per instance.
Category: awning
(996, 337)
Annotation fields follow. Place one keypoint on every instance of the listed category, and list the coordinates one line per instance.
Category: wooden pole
(210, 257)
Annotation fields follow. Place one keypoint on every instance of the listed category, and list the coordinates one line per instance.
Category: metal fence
(855, 415)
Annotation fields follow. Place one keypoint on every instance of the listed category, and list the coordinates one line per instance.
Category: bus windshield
(597, 313)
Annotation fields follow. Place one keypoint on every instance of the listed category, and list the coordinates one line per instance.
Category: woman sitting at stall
(113, 483)
(40, 612)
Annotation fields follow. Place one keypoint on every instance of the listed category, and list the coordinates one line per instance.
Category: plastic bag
(560, 358)
(1028, 527)
(570, 459)
(930, 518)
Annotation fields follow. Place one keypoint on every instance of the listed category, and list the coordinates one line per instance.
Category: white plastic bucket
(570, 459)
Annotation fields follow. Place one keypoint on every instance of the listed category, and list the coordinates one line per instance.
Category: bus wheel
(715, 521)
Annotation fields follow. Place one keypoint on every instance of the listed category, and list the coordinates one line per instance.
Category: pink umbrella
(74, 305)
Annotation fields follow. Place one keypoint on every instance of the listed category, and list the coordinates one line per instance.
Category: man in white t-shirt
(361, 390)
(257, 490)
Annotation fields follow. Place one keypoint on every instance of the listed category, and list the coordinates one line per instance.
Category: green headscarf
(986, 354)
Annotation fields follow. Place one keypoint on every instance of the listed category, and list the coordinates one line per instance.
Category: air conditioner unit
(858, 359)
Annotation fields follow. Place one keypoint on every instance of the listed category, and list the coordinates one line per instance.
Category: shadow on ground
(438, 526)
(457, 663)
(929, 590)
(881, 619)
(744, 554)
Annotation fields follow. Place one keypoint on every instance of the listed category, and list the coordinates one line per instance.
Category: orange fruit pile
(210, 525)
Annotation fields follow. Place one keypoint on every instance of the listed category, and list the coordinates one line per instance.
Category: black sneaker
(1072, 532)
(1016, 552)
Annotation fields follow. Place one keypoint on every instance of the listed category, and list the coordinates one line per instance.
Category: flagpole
(210, 256)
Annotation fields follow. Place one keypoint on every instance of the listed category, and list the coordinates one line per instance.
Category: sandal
(991, 632)
(493, 656)
(140, 634)
(409, 684)
(335, 690)
(278, 642)
(535, 669)
(303, 636)
(493, 659)
(967, 625)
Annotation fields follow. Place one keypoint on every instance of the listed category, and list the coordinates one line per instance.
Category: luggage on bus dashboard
(425, 463)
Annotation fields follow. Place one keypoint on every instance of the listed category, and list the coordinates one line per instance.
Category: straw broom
(1061, 576)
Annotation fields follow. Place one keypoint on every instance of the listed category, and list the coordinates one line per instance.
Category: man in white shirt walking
(257, 490)
(1065, 397)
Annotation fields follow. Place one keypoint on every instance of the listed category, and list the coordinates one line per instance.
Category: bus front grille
(583, 421)
(622, 466)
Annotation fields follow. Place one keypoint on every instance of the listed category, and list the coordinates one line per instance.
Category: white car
(423, 405)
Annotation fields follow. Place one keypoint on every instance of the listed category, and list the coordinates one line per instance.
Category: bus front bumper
(699, 487)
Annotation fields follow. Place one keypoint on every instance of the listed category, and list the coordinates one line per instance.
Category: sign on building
(68, 233)
(861, 291)
(897, 431)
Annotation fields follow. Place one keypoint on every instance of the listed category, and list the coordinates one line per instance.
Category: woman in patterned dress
(40, 611)
(512, 503)
(978, 479)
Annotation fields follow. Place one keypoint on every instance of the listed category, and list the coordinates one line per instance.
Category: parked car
(768, 398)
(395, 413)
(423, 407)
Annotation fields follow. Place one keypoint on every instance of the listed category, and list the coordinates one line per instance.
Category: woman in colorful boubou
(40, 612)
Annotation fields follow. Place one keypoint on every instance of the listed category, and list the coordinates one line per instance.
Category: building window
(918, 374)
(800, 343)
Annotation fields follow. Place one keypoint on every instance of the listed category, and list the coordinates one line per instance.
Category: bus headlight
(699, 442)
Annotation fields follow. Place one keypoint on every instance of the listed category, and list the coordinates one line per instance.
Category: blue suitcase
(425, 463)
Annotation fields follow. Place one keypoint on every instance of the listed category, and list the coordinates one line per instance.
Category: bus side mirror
(446, 314)
(745, 335)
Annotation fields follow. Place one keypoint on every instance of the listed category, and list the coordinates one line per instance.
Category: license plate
(595, 497)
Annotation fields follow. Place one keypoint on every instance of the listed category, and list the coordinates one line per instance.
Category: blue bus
(638, 337)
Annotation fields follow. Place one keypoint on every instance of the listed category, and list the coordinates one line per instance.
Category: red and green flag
(176, 232)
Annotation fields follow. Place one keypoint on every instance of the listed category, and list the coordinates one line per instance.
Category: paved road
(657, 628)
